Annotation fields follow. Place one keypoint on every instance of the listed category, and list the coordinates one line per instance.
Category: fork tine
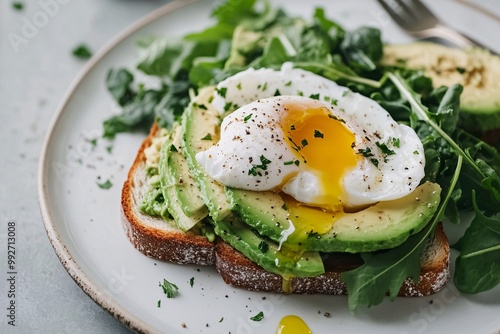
(419, 6)
(405, 8)
(391, 10)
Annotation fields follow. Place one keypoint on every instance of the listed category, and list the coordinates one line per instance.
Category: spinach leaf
(362, 48)
(118, 83)
(136, 115)
(477, 268)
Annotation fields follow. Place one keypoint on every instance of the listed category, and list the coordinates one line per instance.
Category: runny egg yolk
(324, 145)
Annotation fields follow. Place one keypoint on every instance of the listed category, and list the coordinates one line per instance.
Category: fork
(414, 17)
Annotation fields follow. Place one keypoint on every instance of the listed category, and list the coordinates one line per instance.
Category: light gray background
(34, 76)
(33, 81)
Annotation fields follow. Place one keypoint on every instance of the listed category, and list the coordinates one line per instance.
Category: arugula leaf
(477, 268)
(385, 272)
(118, 83)
(233, 11)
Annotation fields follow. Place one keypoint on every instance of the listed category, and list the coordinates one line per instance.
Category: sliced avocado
(172, 202)
(381, 226)
(477, 70)
(200, 131)
(266, 252)
(186, 189)
(265, 211)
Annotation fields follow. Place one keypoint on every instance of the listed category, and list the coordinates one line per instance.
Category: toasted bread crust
(239, 271)
(164, 243)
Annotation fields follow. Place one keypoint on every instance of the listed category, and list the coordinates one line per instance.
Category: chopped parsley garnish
(169, 289)
(173, 148)
(105, 185)
(277, 92)
(202, 106)
(304, 142)
(374, 161)
(263, 166)
(227, 106)
(247, 117)
(158, 304)
(344, 93)
(314, 96)
(264, 87)
(284, 207)
(336, 118)
(191, 281)
(385, 150)
(335, 102)
(109, 149)
(289, 83)
(318, 134)
(297, 162)
(263, 246)
(221, 319)
(366, 152)
(292, 127)
(82, 52)
(93, 141)
(207, 137)
(460, 70)
(286, 163)
(415, 152)
(18, 5)
(238, 86)
(396, 142)
(299, 93)
(258, 317)
(221, 91)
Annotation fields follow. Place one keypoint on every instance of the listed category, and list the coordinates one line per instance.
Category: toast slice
(156, 237)
(238, 271)
(161, 239)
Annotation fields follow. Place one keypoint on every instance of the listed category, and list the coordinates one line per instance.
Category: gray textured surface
(34, 76)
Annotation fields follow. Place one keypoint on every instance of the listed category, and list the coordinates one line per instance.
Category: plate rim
(88, 286)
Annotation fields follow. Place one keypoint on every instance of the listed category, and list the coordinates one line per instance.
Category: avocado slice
(200, 131)
(477, 70)
(168, 187)
(180, 177)
(381, 226)
(267, 253)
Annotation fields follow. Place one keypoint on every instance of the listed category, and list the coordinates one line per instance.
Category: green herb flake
(287, 163)
(299, 93)
(335, 102)
(207, 137)
(105, 185)
(288, 84)
(169, 289)
(314, 96)
(292, 127)
(297, 162)
(277, 92)
(415, 152)
(375, 162)
(191, 281)
(264, 162)
(158, 304)
(284, 207)
(93, 141)
(109, 149)
(238, 86)
(247, 117)
(366, 152)
(18, 5)
(82, 51)
(221, 91)
(221, 319)
(264, 87)
(304, 142)
(318, 134)
(460, 70)
(227, 106)
(336, 118)
(173, 148)
(345, 93)
(396, 142)
(385, 150)
(202, 106)
(258, 317)
(263, 246)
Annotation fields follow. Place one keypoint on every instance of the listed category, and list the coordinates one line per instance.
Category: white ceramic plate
(83, 221)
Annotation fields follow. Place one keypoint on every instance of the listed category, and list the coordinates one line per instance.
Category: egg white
(246, 139)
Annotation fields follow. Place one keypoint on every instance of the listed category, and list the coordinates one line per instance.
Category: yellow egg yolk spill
(291, 324)
(324, 145)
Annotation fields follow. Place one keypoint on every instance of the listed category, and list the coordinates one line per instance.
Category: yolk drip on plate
(324, 145)
(292, 324)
